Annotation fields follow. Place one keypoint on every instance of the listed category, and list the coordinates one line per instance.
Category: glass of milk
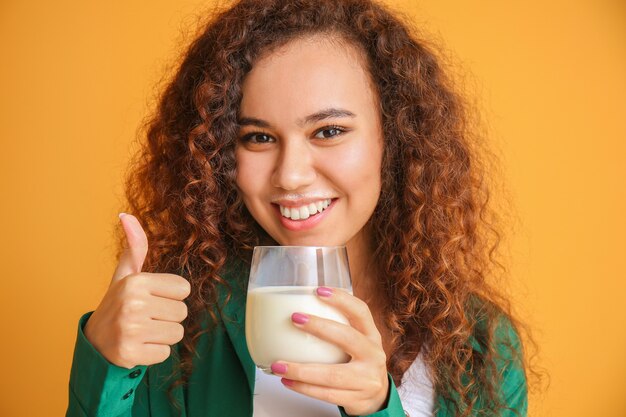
(283, 281)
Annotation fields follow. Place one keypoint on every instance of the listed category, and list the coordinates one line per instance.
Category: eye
(257, 137)
(329, 132)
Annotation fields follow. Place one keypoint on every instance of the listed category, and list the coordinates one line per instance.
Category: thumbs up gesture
(140, 315)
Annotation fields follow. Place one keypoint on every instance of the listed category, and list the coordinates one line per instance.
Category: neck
(366, 284)
(362, 270)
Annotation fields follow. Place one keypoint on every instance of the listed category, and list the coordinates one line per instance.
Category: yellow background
(75, 80)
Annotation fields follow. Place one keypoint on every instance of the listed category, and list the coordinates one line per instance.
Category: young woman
(305, 123)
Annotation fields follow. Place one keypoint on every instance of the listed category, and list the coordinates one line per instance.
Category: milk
(272, 336)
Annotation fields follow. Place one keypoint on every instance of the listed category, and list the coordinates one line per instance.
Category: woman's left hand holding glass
(361, 386)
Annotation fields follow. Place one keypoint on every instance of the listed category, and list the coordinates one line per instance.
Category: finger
(347, 338)
(355, 402)
(169, 286)
(339, 376)
(165, 309)
(356, 310)
(330, 395)
(131, 260)
(153, 353)
(164, 332)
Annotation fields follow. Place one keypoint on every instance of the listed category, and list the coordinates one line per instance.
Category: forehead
(307, 75)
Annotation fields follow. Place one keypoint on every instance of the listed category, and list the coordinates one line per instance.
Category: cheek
(357, 169)
(253, 171)
(247, 181)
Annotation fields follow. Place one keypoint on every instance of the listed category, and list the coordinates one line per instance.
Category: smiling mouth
(305, 211)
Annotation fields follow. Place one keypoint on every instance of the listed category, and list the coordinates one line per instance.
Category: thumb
(131, 260)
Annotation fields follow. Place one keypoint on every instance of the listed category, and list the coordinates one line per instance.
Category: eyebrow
(331, 113)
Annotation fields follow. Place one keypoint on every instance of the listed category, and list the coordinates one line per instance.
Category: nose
(295, 166)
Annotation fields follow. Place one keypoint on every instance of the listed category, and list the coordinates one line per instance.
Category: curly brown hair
(435, 235)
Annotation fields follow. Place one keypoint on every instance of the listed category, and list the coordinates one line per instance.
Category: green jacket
(222, 381)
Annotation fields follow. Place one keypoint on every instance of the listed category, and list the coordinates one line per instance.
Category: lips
(304, 211)
(310, 221)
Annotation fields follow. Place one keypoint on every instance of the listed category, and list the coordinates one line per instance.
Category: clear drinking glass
(283, 280)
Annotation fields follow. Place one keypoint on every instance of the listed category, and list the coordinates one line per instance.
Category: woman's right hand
(139, 317)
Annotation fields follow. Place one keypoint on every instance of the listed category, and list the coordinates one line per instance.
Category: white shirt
(272, 399)
(416, 391)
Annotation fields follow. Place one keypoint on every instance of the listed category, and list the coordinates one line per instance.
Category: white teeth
(306, 211)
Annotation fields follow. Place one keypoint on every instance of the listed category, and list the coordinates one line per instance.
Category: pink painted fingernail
(279, 368)
(299, 318)
(287, 382)
(324, 291)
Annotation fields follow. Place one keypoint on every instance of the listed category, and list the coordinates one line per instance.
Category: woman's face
(310, 144)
